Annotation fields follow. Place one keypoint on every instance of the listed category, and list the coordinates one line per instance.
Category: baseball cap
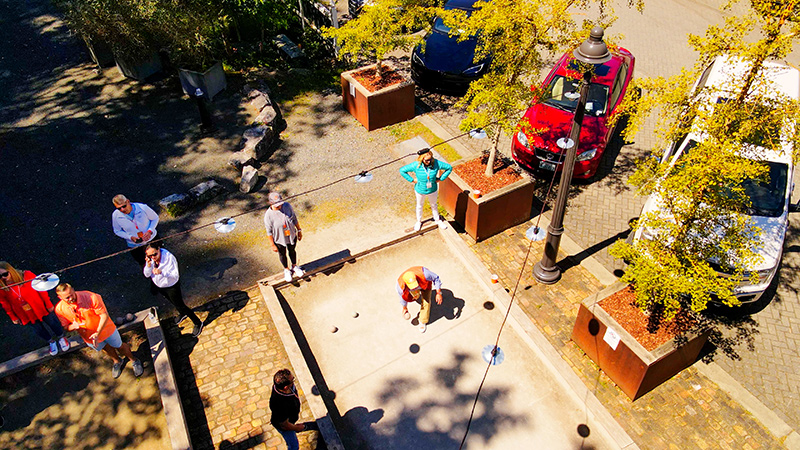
(411, 280)
(275, 199)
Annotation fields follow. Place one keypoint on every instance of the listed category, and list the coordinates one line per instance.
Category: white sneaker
(423, 327)
(417, 226)
(63, 343)
(298, 272)
(287, 275)
(53, 348)
(442, 224)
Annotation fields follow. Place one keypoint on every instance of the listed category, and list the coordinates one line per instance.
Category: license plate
(547, 166)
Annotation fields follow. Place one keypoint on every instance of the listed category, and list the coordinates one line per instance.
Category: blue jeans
(52, 322)
(291, 439)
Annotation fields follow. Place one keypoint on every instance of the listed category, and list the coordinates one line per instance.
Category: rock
(249, 179)
(240, 159)
(257, 141)
(287, 46)
(175, 204)
(205, 191)
(355, 314)
(260, 101)
(334, 329)
(266, 117)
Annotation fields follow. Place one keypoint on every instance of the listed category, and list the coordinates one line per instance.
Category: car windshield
(767, 198)
(563, 93)
(440, 27)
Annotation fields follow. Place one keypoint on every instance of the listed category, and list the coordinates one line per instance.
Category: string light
(361, 177)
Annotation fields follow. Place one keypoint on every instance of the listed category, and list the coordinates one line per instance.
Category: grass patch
(413, 128)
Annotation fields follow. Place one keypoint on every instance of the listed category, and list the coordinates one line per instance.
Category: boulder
(257, 141)
(205, 191)
(240, 159)
(175, 204)
(249, 179)
(260, 101)
(266, 117)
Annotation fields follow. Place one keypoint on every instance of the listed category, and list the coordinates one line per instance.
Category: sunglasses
(3, 274)
(122, 207)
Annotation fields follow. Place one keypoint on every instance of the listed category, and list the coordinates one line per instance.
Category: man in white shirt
(134, 222)
(162, 269)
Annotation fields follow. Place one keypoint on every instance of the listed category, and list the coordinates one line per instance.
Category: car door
(614, 100)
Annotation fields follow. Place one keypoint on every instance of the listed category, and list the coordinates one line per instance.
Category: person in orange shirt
(85, 312)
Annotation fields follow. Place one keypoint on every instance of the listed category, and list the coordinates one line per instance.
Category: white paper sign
(353, 90)
(611, 338)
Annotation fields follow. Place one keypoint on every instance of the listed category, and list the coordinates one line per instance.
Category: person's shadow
(357, 424)
(450, 308)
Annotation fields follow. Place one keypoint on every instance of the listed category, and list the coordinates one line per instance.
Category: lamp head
(593, 50)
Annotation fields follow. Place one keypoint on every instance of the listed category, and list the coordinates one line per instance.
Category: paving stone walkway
(225, 376)
(688, 411)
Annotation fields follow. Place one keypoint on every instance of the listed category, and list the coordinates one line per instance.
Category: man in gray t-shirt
(283, 231)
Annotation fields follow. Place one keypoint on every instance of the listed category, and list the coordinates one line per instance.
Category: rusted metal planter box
(491, 213)
(635, 370)
(388, 106)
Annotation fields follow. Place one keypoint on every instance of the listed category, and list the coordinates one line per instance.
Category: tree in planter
(701, 196)
(517, 36)
(380, 29)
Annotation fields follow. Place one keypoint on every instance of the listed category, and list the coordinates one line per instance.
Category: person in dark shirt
(284, 403)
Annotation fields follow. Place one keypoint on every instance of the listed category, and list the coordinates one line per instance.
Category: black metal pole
(546, 271)
(205, 116)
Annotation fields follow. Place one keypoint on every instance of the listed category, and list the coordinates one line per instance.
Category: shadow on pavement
(574, 260)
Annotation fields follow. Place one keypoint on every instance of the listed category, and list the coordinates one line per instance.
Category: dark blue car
(441, 63)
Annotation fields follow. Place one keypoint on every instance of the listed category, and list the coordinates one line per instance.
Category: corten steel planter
(491, 213)
(635, 370)
(211, 82)
(100, 52)
(140, 70)
(388, 106)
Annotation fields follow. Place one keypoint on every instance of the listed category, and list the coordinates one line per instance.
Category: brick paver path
(688, 411)
(225, 376)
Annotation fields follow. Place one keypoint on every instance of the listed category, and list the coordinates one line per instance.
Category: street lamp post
(592, 51)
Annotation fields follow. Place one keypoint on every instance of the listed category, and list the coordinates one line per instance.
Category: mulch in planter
(622, 307)
(473, 173)
(369, 78)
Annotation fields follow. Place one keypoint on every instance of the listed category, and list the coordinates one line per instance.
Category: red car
(534, 146)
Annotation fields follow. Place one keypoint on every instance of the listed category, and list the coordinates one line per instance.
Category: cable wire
(259, 208)
(508, 310)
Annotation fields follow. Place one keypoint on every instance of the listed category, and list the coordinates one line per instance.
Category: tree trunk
(379, 69)
(493, 152)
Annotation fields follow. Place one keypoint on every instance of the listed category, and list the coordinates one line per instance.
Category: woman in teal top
(427, 172)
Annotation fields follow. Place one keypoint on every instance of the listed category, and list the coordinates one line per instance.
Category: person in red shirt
(27, 306)
(85, 312)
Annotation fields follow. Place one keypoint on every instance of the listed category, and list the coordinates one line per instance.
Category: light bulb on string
(536, 233)
(493, 355)
(225, 225)
(363, 177)
(477, 133)
(45, 282)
